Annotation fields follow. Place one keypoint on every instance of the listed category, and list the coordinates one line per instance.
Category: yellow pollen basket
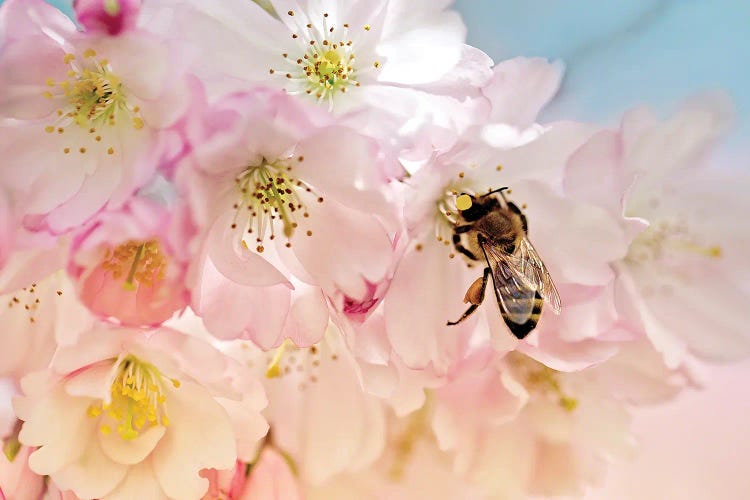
(139, 262)
(463, 202)
(137, 400)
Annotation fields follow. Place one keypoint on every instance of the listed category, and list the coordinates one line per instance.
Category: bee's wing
(514, 295)
(527, 261)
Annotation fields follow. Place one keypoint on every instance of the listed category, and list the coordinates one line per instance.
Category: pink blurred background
(694, 448)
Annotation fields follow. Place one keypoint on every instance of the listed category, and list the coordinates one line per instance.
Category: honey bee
(492, 228)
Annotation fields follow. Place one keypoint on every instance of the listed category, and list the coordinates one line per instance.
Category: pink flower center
(325, 64)
(668, 238)
(93, 101)
(138, 262)
(540, 379)
(269, 195)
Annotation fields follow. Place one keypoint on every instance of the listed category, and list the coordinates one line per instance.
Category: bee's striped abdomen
(521, 330)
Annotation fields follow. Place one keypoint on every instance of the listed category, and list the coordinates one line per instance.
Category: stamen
(144, 261)
(325, 65)
(268, 192)
(93, 98)
(137, 399)
(540, 378)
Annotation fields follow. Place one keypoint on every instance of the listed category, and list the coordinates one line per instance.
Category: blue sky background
(621, 54)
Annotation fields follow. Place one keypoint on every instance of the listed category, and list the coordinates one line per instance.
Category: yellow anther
(68, 57)
(368, 27)
(49, 129)
(463, 202)
(274, 368)
(105, 429)
(50, 82)
(94, 411)
(137, 123)
(47, 94)
(568, 404)
(176, 383)
(89, 53)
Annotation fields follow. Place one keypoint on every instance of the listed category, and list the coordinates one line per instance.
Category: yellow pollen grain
(463, 202)
(105, 429)
(368, 27)
(137, 123)
(49, 129)
(66, 150)
(82, 150)
(499, 168)
(110, 151)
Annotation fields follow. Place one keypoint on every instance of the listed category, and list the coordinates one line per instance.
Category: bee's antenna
(500, 190)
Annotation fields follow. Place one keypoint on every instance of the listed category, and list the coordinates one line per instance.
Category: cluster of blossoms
(229, 257)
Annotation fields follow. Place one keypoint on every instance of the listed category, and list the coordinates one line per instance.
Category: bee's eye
(463, 202)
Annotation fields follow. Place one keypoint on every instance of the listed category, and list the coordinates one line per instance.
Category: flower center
(667, 239)
(269, 193)
(325, 64)
(540, 379)
(137, 400)
(91, 98)
(300, 363)
(139, 262)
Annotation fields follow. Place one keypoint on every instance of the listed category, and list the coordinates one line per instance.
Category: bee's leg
(461, 248)
(462, 229)
(475, 295)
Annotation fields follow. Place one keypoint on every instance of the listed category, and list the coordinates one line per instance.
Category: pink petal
(271, 479)
(520, 88)
(199, 437)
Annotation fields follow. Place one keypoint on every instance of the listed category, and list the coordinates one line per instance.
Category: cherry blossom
(279, 192)
(151, 411)
(130, 265)
(90, 105)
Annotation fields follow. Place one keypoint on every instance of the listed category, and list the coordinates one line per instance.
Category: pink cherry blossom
(318, 412)
(403, 62)
(681, 276)
(130, 265)
(151, 411)
(107, 16)
(282, 193)
(518, 428)
(88, 105)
